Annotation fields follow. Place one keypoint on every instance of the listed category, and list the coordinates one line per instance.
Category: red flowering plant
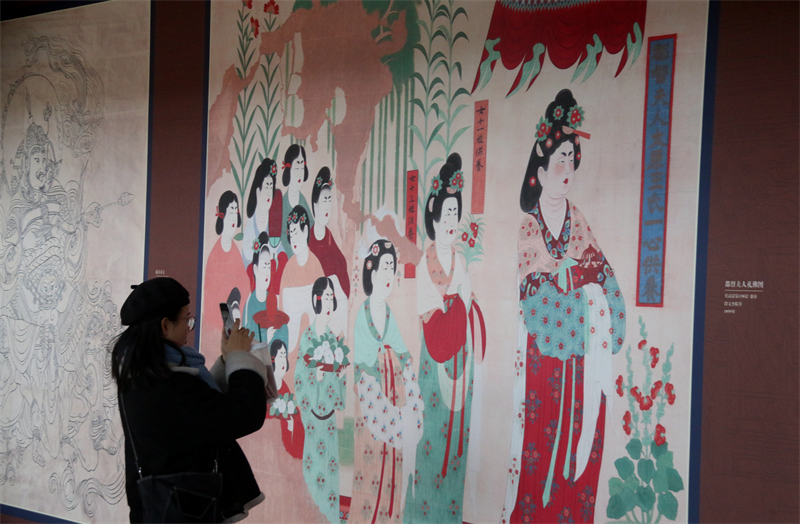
(272, 10)
(248, 30)
(471, 245)
(643, 491)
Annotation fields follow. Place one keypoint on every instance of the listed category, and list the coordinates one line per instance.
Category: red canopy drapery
(565, 28)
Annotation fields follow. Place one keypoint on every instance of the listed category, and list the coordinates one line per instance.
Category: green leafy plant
(243, 138)
(270, 91)
(438, 92)
(248, 31)
(643, 490)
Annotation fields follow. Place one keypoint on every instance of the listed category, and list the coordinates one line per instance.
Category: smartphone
(227, 318)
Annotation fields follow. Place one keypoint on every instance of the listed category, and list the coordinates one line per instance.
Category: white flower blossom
(280, 405)
(290, 407)
(338, 355)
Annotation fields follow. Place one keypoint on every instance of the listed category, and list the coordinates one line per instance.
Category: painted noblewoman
(389, 407)
(446, 308)
(572, 320)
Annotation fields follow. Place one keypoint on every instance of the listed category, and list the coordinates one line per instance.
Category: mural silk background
(506, 360)
(72, 207)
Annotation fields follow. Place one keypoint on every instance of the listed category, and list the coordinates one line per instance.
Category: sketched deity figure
(55, 403)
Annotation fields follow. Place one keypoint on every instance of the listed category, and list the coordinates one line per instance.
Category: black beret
(153, 300)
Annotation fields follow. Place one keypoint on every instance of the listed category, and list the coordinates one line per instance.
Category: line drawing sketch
(58, 406)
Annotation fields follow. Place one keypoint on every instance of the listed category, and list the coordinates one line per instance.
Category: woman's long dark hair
(138, 356)
(264, 170)
(373, 259)
(531, 187)
(447, 171)
(292, 152)
(225, 200)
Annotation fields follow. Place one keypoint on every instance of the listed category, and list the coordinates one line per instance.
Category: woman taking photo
(179, 417)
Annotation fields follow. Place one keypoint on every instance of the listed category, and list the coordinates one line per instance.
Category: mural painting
(372, 98)
(489, 339)
(446, 222)
(66, 209)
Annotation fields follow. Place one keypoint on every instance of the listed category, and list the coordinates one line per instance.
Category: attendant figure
(446, 309)
(262, 300)
(295, 172)
(224, 270)
(572, 320)
(285, 408)
(279, 444)
(389, 407)
(302, 270)
(320, 392)
(265, 214)
(321, 242)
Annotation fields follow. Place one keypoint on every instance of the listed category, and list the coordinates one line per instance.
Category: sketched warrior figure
(55, 407)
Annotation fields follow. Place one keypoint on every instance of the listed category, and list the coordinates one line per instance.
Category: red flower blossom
(619, 385)
(627, 422)
(642, 344)
(248, 3)
(576, 116)
(645, 403)
(660, 438)
(654, 391)
(543, 128)
(636, 394)
(669, 390)
(254, 23)
(464, 236)
(471, 242)
(271, 7)
(654, 354)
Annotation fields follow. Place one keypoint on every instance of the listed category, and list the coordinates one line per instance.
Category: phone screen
(227, 319)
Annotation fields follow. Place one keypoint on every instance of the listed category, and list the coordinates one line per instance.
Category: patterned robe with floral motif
(446, 381)
(318, 401)
(389, 410)
(567, 288)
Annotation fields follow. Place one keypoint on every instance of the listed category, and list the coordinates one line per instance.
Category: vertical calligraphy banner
(479, 145)
(411, 216)
(655, 170)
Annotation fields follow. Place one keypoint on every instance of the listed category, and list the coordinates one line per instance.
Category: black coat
(180, 424)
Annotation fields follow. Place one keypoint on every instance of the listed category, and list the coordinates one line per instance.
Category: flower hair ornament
(568, 122)
(456, 183)
(218, 214)
(256, 246)
(290, 219)
(329, 183)
(436, 186)
(273, 169)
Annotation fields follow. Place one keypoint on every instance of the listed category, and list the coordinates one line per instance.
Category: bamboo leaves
(438, 95)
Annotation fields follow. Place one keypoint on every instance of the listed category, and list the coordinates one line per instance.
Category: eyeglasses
(190, 322)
